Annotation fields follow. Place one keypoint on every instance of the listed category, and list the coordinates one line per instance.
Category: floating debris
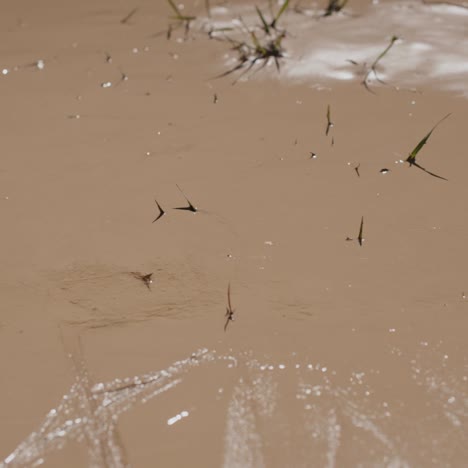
(146, 279)
(384, 171)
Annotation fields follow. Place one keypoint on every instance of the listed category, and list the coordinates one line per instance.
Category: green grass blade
(412, 157)
(255, 41)
(283, 8)
(262, 19)
(382, 54)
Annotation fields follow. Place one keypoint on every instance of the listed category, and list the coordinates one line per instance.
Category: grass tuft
(260, 48)
(334, 6)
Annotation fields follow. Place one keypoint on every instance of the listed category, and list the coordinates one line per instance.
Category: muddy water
(339, 354)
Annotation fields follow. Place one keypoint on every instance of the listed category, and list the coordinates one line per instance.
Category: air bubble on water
(106, 84)
(40, 64)
(97, 388)
(177, 418)
(5, 71)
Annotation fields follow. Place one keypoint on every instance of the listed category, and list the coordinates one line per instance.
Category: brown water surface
(339, 354)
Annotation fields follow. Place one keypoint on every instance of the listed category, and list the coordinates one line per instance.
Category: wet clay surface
(339, 354)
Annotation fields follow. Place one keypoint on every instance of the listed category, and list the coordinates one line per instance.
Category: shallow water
(430, 49)
(310, 412)
(339, 354)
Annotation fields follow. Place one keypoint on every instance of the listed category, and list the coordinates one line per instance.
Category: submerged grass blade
(412, 157)
(127, 18)
(428, 172)
(178, 15)
(174, 7)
